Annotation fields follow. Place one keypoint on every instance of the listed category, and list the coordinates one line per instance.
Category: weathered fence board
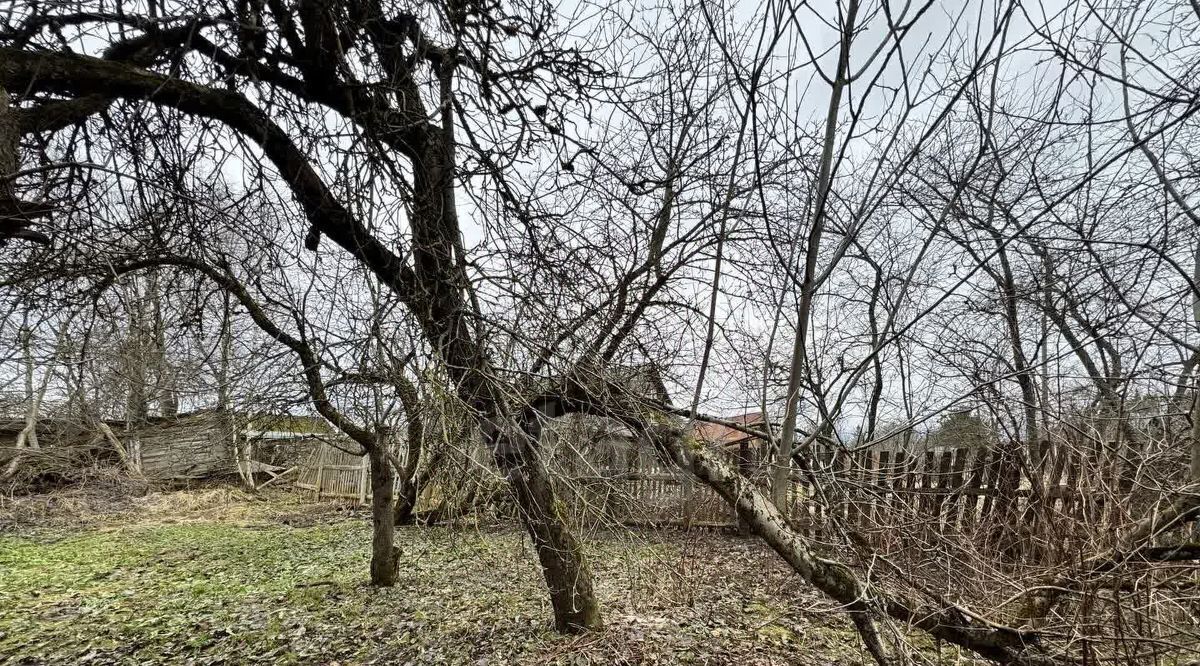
(942, 491)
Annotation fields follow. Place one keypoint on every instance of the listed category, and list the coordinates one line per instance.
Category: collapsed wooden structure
(223, 442)
(194, 445)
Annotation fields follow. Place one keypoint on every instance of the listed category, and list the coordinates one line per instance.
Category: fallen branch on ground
(863, 601)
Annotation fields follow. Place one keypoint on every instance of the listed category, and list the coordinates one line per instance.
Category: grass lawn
(228, 578)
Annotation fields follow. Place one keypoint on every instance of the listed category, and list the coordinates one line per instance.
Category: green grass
(158, 591)
(258, 590)
(273, 593)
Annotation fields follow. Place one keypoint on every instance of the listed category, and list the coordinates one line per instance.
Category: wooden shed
(220, 442)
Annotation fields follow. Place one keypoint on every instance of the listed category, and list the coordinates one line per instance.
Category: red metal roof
(722, 435)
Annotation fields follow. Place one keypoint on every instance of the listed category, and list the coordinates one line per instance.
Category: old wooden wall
(191, 446)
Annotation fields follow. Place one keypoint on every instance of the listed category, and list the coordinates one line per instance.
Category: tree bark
(409, 487)
(447, 318)
(566, 571)
(567, 574)
(383, 530)
(1008, 290)
(15, 215)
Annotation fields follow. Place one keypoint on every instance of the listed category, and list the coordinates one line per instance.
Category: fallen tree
(864, 600)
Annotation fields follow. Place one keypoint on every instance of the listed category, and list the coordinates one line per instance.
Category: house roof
(252, 421)
(723, 435)
(299, 424)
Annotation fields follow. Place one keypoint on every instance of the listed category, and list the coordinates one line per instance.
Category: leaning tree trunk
(383, 529)
(865, 601)
(437, 267)
(559, 552)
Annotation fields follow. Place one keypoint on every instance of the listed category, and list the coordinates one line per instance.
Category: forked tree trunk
(383, 530)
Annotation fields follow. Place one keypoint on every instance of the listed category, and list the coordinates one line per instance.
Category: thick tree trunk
(409, 491)
(559, 552)
(568, 577)
(406, 503)
(383, 531)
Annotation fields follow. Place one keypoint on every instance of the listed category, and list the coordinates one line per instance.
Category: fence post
(320, 469)
(362, 481)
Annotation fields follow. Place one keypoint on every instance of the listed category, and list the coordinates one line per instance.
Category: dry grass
(114, 499)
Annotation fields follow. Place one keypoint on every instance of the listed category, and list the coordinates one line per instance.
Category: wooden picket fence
(932, 492)
(651, 496)
(937, 491)
(334, 473)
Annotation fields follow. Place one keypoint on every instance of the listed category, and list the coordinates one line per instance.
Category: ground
(220, 576)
